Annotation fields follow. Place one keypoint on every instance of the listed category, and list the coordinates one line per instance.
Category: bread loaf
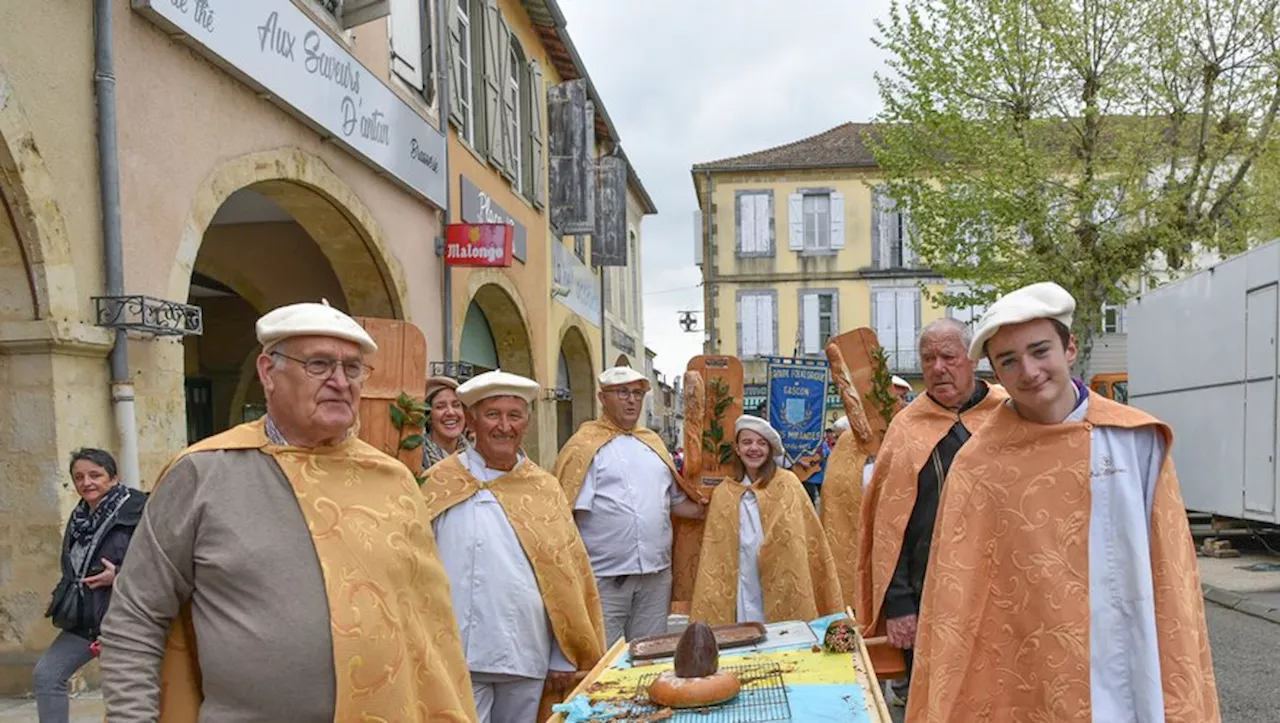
(849, 396)
(695, 421)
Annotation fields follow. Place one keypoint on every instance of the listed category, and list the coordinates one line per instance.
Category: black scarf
(85, 522)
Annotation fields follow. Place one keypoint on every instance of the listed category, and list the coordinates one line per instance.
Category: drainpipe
(442, 37)
(104, 85)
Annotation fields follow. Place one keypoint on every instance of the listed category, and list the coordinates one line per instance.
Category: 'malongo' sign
(478, 244)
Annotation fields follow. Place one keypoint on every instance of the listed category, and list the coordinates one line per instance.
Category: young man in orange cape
(624, 488)
(526, 601)
(901, 502)
(295, 558)
(1063, 582)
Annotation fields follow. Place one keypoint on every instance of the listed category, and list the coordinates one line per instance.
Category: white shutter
(536, 105)
(746, 223)
(810, 315)
(837, 220)
(748, 345)
(886, 333)
(765, 320)
(908, 253)
(886, 217)
(494, 82)
(453, 68)
(406, 41)
(762, 223)
(795, 219)
(906, 327)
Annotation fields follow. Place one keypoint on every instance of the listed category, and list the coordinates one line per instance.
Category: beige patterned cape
(540, 515)
(396, 648)
(891, 496)
(575, 458)
(797, 571)
(1004, 626)
(842, 510)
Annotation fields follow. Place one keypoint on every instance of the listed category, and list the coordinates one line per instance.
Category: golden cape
(1004, 626)
(576, 456)
(842, 509)
(397, 655)
(891, 496)
(540, 515)
(797, 571)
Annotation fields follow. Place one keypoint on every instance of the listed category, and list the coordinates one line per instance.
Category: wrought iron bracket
(149, 315)
(461, 371)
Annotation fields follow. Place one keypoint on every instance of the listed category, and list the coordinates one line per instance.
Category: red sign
(478, 244)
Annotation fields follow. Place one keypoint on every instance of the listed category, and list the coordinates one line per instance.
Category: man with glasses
(625, 487)
(296, 558)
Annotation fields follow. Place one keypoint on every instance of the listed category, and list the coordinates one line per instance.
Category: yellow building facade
(799, 243)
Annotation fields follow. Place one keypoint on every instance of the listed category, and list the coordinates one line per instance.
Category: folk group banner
(797, 402)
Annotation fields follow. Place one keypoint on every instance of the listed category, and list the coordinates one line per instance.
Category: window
(896, 315)
(466, 70)
(968, 314)
(817, 222)
(818, 319)
(580, 248)
(409, 30)
(755, 223)
(890, 233)
(1112, 319)
(757, 324)
(515, 154)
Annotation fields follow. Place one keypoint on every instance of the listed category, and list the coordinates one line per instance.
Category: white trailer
(1202, 357)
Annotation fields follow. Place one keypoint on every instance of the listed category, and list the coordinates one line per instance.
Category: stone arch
(508, 320)
(327, 209)
(29, 197)
(575, 352)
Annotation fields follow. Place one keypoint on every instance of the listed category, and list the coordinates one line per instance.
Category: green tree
(1078, 141)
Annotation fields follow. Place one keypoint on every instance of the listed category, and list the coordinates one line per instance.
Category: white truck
(1202, 357)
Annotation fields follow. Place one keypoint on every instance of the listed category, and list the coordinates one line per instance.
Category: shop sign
(274, 47)
(477, 244)
(478, 207)
(577, 287)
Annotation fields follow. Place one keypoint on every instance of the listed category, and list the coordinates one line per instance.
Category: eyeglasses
(625, 394)
(354, 371)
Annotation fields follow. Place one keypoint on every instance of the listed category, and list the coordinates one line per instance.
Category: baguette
(849, 396)
(695, 421)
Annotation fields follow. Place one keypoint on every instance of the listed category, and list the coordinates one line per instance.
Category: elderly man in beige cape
(1063, 579)
(295, 558)
(523, 592)
(624, 489)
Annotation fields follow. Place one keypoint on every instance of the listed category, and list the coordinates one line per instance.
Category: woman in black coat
(93, 549)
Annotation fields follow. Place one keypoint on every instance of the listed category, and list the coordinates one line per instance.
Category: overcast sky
(689, 81)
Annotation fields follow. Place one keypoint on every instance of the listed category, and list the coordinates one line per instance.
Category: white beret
(310, 319)
(900, 382)
(841, 426)
(760, 427)
(617, 376)
(1045, 300)
(496, 383)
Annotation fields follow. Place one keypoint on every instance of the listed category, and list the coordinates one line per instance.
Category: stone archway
(504, 319)
(574, 375)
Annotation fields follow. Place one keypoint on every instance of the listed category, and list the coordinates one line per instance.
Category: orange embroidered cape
(575, 458)
(540, 515)
(397, 654)
(842, 508)
(891, 496)
(1004, 626)
(797, 571)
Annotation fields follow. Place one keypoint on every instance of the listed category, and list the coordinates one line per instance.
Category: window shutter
(835, 315)
(905, 323)
(810, 317)
(406, 41)
(510, 143)
(763, 205)
(430, 83)
(889, 230)
(539, 190)
(883, 307)
(876, 256)
(494, 82)
(767, 316)
(795, 219)
(771, 220)
(908, 253)
(454, 56)
(837, 220)
(748, 327)
(743, 218)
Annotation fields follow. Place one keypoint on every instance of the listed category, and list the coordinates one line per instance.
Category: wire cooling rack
(763, 699)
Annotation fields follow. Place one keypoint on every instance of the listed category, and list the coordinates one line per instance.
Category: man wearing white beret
(624, 488)
(1063, 576)
(526, 601)
(297, 559)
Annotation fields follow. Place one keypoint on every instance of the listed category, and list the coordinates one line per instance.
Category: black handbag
(69, 608)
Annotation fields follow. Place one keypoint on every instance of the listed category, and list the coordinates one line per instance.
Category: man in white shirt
(522, 587)
(624, 488)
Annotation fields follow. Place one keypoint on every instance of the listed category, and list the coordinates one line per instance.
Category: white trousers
(635, 605)
(506, 698)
